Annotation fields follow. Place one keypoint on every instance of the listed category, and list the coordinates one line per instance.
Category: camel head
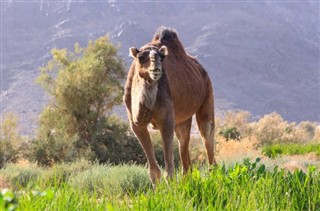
(149, 61)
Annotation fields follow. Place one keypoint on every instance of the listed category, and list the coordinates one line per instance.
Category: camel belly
(187, 102)
(188, 85)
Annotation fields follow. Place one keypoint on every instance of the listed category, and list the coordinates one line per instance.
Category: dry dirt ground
(3, 183)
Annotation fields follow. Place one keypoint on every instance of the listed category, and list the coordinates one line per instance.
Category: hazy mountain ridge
(262, 57)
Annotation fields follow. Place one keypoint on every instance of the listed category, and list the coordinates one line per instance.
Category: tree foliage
(10, 140)
(84, 86)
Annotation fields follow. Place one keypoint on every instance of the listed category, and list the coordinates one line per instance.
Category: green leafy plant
(8, 200)
(230, 133)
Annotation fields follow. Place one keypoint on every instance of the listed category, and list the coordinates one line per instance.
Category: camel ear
(133, 52)
(164, 50)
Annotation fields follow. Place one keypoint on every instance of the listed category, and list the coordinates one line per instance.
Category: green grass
(273, 151)
(245, 186)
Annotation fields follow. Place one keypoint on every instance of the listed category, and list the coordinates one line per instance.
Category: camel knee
(207, 131)
(184, 156)
(140, 132)
(136, 129)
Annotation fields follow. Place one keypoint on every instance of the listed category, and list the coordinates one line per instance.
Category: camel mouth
(155, 74)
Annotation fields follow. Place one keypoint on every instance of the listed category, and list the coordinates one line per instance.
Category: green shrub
(61, 173)
(230, 133)
(274, 150)
(114, 180)
(272, 129)
(235, 119)
(10, 140)
(112, 143)
(115, 143)
(21, 176)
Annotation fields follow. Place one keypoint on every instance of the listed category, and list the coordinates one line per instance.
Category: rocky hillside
(262, 57)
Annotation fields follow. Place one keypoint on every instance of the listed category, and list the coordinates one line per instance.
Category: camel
(165, 87)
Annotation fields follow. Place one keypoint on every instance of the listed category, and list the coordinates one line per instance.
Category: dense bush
(84, 86)
(10, 140)
(273, 129)
(269, 130)
(115, 143)
(112, 143)
(230, 133)
(81, 175)
(234, 119)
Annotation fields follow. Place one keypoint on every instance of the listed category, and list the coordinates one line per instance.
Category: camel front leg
(145, 141)
(167, 130)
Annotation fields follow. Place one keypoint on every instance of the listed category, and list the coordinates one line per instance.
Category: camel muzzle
(155, 74)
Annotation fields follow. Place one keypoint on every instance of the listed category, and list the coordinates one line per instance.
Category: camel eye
(161, 56)
(143, 56)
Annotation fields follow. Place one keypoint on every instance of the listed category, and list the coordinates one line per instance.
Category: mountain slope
(262, 57)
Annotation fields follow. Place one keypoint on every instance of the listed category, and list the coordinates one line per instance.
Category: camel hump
(169, 37)
(165, 34)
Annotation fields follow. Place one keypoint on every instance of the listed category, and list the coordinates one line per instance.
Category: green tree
(84, 86)
(10, 140)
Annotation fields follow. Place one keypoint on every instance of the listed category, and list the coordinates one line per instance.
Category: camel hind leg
(182, 131)
(206, 124)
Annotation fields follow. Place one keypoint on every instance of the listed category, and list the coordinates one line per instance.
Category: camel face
(149, 61)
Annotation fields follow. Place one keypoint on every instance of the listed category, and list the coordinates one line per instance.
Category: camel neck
(144, 95)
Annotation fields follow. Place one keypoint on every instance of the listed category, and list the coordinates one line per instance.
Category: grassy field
(275, 150)
(84, 186)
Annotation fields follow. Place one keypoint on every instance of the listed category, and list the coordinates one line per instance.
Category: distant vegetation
(275, 150)
(268, 130)
(84, 86)
(80, 155)
(10, 140)
(117, 144)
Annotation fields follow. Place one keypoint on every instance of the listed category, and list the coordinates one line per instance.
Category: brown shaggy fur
(184, 89)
